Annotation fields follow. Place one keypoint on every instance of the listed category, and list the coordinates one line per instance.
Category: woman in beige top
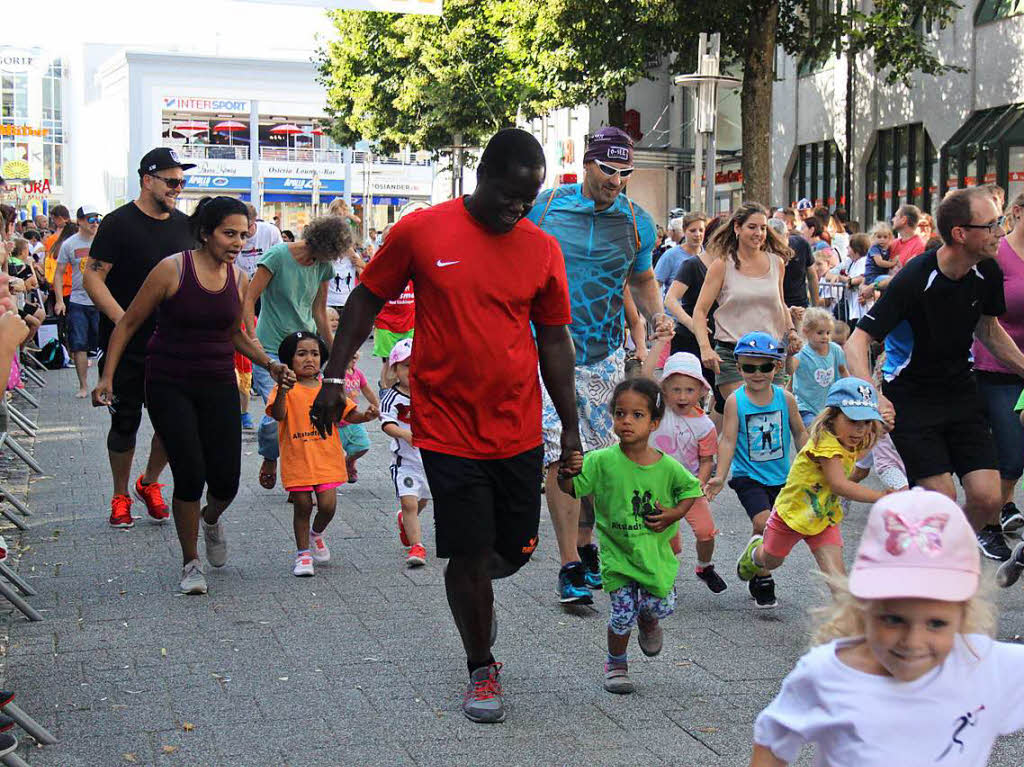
(745, 279)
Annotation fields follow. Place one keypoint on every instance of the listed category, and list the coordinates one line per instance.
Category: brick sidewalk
(361, 665)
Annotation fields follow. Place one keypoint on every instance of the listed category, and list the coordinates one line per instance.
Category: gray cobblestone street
(361, 665)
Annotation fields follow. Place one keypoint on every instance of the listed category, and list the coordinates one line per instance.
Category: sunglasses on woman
(610, 170)
(764, 367)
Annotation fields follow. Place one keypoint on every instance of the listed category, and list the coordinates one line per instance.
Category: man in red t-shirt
(483, 275)
(908, 244)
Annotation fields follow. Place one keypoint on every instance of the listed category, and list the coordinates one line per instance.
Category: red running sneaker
(401, 530)
(121, 511)
(154, 500)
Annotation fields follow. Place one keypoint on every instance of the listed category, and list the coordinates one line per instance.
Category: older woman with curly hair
(292, 280)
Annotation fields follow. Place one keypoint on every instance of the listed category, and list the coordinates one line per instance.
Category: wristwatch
(335, 381)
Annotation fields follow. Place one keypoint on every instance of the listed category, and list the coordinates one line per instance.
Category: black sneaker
(592, 563)
(992, 543)
(762, 589)
(1011, 519)
(713, 579)
(1010, 570)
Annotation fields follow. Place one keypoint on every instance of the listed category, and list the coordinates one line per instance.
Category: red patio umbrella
(286, 130)
(229, 127)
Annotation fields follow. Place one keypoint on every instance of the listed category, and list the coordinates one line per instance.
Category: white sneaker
(318, 547)
(192, 579)
(216, 544)
(303, 565)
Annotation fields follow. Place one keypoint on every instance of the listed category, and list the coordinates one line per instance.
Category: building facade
(843, 136)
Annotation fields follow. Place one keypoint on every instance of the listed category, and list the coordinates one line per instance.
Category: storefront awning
(989, 129)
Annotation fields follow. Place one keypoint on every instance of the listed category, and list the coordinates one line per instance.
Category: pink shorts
(700, 521)
(313, 488)
(780, 538)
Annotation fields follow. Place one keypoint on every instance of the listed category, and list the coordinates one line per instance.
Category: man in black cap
(130, 242)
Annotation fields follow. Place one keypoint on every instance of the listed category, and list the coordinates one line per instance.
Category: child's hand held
(713, 487)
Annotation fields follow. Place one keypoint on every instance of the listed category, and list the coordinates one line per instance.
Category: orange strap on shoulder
(550, 198)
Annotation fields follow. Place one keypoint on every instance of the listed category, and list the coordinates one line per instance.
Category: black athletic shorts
(754, 497)
(484, 504)
(947, 434)
(129, 382)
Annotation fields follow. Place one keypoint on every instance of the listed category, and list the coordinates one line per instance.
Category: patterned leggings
(632, 601)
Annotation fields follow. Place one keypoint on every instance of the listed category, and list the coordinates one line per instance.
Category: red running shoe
(121, 511)
(154, 500)
(401, 530)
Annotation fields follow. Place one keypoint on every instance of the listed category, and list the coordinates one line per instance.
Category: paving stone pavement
(361, 665)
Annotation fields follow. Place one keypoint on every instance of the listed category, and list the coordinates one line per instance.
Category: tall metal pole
(256, 186)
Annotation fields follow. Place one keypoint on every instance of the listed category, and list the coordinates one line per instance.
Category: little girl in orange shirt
(309, 464)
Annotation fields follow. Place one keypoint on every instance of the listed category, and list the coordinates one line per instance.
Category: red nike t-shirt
(398, 316)
(474, 360)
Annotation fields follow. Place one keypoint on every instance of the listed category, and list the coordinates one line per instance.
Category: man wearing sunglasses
(131, 241)
(932, 311)
(607, 241)
(83, 317)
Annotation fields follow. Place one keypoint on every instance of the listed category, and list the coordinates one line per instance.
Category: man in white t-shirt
(262, 236)
(83, 316)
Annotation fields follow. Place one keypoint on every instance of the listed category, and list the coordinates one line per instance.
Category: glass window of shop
(901, 168)
(817, 174)
(987, 148)
(994, 10)
(13, 96)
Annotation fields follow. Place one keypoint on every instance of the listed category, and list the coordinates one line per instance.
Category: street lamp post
(706, 81)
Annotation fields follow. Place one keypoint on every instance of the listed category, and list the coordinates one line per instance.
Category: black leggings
(199, 425)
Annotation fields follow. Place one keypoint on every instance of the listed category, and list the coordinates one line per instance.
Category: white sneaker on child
(318, 547)
(303, 565)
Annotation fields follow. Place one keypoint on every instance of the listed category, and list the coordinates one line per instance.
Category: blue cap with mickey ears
(856, 398)
(760, 344)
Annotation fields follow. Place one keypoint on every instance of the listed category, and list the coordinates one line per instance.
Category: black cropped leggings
(199, 425)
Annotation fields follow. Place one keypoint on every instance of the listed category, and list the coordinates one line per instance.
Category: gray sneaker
(1010, 570)
(482, 702)
(192, 579)
(216, 543)
(616, 679)
(650, 640)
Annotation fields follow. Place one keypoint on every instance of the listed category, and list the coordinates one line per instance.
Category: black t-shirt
(135, 243)
(928, 321)
(794, 280)
(692, 273)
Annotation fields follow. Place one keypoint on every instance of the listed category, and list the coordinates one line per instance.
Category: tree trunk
(756, 101)
(617, 110)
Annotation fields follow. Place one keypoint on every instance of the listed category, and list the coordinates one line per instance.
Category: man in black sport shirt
(931, 312)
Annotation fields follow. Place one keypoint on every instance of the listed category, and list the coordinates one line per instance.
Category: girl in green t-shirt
(640, 494)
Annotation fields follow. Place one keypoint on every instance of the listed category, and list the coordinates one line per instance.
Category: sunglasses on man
(92, 219)
(173, 183)
(610, 170)
(764, 367)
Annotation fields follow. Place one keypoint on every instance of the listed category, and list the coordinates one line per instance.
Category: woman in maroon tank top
(191, 393)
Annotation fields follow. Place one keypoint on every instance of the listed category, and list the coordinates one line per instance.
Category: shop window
(901, 168)
(1015, 177)
(14, 96)
(817, 174)
(819, 15)
(994, 10)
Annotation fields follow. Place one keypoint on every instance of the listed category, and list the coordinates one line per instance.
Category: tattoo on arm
(98, 266)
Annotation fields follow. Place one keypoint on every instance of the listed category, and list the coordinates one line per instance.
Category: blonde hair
(816, 317)
(724, 242)
(844, 616)
(881, 226)
(823, 423)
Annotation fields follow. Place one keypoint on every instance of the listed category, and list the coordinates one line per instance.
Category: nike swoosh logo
(445, 263)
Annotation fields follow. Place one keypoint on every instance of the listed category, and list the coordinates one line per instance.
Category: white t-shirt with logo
(396, 408)
(949, 717)
(344, 280)
(267, 235)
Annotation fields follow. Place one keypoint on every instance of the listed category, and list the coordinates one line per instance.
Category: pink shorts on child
(700, 521)
(313, 488)
(780, 538)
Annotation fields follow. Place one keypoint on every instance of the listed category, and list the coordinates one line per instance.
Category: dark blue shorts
(754, 497)
(83, 327)
(1000, 392)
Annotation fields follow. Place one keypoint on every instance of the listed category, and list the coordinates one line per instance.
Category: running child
(905, 671)
(640, 494)
(354, 440)
(760, 423)
(880, 262)
(808, 507)
(309, 465)
(406, 464)
(688, 435)
(819, 363)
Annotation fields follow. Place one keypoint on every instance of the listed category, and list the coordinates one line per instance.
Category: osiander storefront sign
(23, 130)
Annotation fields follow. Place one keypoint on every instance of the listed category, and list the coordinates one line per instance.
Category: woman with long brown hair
(745, 279)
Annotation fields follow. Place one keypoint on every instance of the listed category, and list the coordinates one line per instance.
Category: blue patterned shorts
(594, 386)
(633, 600)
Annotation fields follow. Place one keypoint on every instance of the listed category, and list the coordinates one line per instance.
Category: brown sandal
(268, 478)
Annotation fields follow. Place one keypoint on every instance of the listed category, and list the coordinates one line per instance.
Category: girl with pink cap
(905, 671)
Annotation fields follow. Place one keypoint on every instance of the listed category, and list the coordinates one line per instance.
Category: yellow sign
(15, 169)
(22, 130)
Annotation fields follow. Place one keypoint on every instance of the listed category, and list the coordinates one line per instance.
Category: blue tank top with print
(762, 443)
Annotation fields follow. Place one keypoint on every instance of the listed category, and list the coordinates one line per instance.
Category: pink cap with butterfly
(917, 543)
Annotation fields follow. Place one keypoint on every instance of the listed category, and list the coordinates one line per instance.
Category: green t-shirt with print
(624, 492)
(286, 304)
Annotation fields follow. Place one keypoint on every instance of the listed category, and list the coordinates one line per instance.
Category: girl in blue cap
(808, 508)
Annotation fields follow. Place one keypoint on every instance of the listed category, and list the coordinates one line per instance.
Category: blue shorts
(83, 327)
(753, 496)
(354, 439)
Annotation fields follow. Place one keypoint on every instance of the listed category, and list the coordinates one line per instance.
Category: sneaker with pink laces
(152, 496)
(417, 556)
(318, 547)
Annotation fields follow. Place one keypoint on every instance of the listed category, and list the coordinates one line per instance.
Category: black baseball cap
(162, 158)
